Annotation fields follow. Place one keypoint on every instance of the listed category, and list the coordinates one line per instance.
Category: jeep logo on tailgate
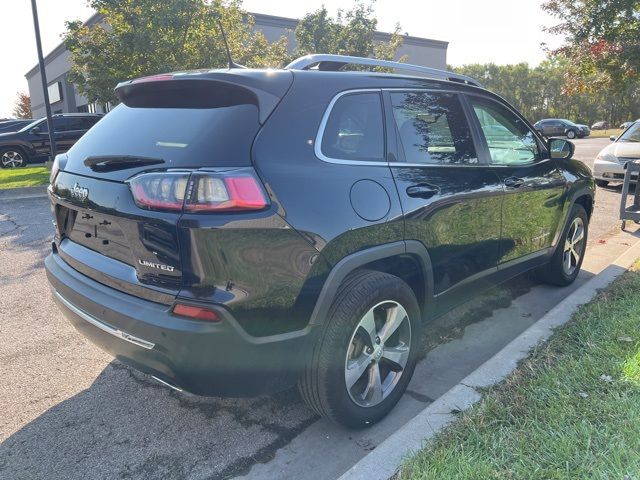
(79, 193)
(159, 266)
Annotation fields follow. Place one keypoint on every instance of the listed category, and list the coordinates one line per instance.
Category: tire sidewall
(571, 134)
(576, 210)
(14, 149)
(346, 409)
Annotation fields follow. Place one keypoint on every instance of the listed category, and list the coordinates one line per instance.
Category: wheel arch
(584, 198)
(408, 260)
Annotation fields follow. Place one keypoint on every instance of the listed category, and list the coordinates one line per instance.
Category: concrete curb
(387, 458)
(23, 192)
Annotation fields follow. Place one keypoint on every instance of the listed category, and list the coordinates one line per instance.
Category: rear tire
(365, 357)
(13, 157)
(602, 183)
(564, 266)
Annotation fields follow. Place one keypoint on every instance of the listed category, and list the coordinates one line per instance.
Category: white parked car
(610, 163)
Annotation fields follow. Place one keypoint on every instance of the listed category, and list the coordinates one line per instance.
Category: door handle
(513, 182)
(423, 190)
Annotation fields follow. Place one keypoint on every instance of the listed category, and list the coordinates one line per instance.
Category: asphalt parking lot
(70, 411)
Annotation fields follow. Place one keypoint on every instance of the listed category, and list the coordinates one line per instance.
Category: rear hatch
(176, 143)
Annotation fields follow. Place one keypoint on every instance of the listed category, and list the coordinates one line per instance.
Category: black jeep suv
(235, 232)
(31, 144)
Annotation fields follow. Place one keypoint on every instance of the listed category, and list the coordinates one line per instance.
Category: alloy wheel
(573, 246)
(378, 353)
(12, 159)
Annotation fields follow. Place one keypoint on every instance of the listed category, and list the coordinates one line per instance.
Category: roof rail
(328, 62)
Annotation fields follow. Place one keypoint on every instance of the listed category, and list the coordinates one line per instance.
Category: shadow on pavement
(125, 425)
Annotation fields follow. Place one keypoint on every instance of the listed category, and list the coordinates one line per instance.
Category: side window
(432, 128)
(43, 126)
(354, 129)
(60, 125)
(80, 123)
(509, 139)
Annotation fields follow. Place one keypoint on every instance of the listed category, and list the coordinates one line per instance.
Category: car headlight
(607, 157)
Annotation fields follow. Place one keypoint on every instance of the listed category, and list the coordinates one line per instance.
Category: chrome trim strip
(177, 389)
(103, 326)
(317, 147)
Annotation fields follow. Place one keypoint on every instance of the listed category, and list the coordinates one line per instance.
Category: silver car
(610, 164)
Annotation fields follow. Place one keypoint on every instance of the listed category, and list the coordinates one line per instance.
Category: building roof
(260, 19)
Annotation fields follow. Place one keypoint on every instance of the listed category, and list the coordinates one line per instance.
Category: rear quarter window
(354, 129)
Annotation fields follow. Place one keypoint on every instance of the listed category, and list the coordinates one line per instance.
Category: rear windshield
(182, 137)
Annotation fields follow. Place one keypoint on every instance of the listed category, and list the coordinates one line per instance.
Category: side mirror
(561, 148)
(613, 138)
(35, 130)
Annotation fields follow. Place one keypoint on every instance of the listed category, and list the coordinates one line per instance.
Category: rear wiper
(109, 163)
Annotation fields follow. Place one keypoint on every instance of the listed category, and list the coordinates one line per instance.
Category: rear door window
(354, 129)
(433, 128)
(81, 123)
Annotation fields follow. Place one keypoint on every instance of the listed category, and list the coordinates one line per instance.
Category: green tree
(146, 37)
(539, 92)
(350, 33)
(602, 42)
(22, 107)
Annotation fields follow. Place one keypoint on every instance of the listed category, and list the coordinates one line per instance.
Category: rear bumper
(203, 358)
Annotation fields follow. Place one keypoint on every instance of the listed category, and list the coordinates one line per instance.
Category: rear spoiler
(209, 89)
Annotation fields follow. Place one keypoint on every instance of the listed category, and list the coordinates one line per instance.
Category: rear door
(450, 199)
(534, 186)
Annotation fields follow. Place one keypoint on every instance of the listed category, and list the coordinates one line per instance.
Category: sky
(500, 31)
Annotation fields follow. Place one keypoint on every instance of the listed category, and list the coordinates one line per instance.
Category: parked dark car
(235, 232)
(14, 125)
(553, 127)
(31, 143)
(601, 126)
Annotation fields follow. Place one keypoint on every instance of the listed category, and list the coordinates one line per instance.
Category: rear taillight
(209, 193)
(160, 190)
(198, 313)
(235, 190)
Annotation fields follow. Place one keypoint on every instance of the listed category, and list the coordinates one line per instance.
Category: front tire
(363, 361)
(571, 134)
(564, 266)
(12, 157)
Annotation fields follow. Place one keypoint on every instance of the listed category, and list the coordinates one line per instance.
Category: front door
(42, 144)
(450, 200)
(534, 187)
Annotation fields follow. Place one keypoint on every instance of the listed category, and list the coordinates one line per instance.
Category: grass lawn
(23, 177)
(605, 133)
(572, 410)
